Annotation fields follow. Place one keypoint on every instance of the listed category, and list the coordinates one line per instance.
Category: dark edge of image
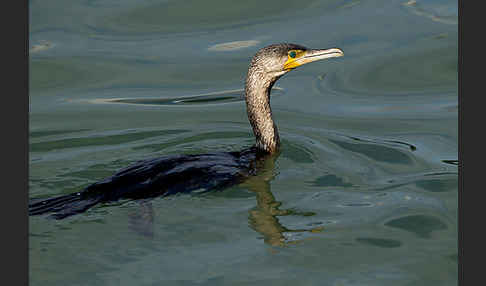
(460, 188)
(470, 205)
(14, 164)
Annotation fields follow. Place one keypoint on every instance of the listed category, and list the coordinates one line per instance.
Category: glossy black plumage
(163, 176)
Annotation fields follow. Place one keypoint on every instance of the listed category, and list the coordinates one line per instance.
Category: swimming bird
(172, 174)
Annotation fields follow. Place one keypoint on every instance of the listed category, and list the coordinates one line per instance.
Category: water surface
(364, 192)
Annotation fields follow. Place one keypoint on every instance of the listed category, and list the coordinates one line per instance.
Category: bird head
(266, 67)
(278, 59)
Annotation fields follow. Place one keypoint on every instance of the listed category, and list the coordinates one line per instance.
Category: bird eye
(292, 54)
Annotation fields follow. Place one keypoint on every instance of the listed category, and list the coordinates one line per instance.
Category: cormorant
(172, 174)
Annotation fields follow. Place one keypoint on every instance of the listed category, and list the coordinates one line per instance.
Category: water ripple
(400, 73)
(220, 97)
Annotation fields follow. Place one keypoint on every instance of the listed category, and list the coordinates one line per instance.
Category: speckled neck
(257, 96)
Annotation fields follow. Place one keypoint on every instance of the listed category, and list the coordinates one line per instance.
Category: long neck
(257, 96)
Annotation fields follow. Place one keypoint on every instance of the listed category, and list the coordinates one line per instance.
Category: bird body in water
(173, 174)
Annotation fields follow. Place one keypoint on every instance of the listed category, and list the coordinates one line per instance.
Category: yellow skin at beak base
(291, 64)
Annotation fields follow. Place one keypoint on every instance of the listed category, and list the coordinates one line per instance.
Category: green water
(363, 193)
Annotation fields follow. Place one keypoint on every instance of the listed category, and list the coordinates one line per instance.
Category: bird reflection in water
(263, 217)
